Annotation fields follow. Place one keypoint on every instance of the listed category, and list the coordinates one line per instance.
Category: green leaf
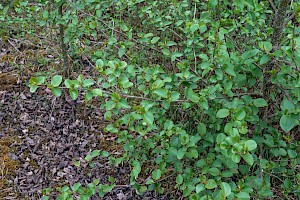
(123, 104)
(248, 158)
(76, 186)
(213, 3)
(88, 96)
(56, 80)
(192, 95)
(110, 105)
(95, 153)
(68, 83)
(201, 128)
(287, 123)
(243, 196)
(97, 92)
(260, 102)
(104, 154)
(56, 91)
(179, 179)
(199, 188)
(214, 171)
(250, 145)
(181, 152)
(264, 59)
(175, 55)
(194, 27)
(88, 83)
(40, 80)
(136, 168)
(166, 52)
(148, 117)
(292, 153)
(154, 40)
(267, 46)
(148, 35)
(287, 105)
(202, 28)
(236, 158)
(222, 113)
(88, 157)
(161, 92)
(45, 197)
(211, 184)
(240, 114)
(156, 174)
(194, 153)
(100, 63)
(124, 28)
(226, 189)
(33, 88)
(73, 93)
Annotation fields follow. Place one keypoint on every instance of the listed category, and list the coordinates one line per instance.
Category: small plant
(204, 92)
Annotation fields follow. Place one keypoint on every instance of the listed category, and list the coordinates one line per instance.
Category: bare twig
(273, 5)
(14, 46)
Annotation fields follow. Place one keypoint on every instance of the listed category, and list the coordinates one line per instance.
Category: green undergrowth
(204, 91)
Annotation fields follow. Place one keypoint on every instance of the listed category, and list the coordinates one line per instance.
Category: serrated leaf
(222, 113)
(56, 80)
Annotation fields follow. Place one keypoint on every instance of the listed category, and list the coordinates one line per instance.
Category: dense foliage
(206, 92)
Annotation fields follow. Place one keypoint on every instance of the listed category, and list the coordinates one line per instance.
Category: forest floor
(41, 136)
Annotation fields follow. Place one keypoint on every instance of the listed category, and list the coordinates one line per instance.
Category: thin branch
(14, 46)
(273, 5)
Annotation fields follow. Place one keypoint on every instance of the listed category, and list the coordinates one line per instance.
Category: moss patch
(7, 167)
